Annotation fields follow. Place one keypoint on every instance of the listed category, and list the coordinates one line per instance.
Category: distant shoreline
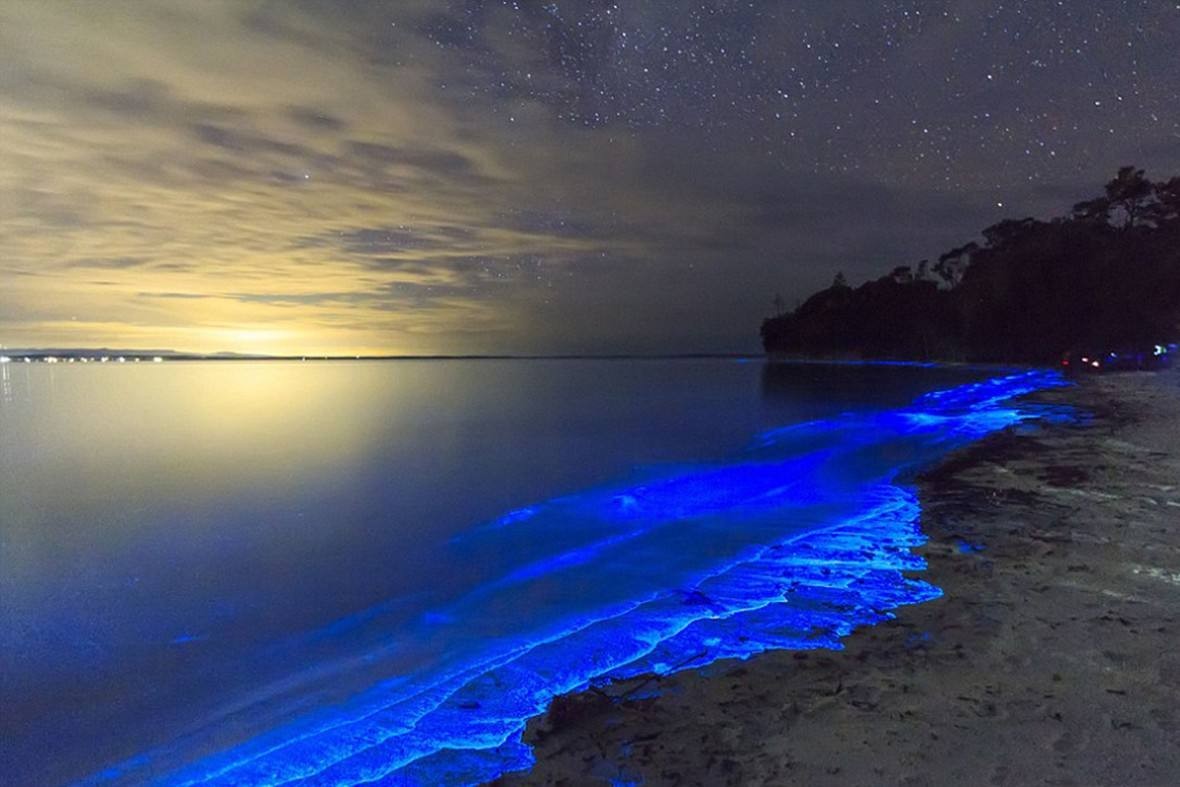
(103, 356)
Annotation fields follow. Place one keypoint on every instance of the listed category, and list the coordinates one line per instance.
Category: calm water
(337, 572)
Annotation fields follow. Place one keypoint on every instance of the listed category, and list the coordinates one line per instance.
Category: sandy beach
(1051, 659)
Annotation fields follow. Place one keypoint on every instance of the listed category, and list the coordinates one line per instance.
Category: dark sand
(1053, 658)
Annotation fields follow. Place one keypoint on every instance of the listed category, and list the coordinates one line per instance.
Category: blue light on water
(185, 639)
(790, 545)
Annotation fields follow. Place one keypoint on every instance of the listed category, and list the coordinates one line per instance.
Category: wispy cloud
(418, 176)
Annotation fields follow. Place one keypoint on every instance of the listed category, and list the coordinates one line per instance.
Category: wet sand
(1053, 657)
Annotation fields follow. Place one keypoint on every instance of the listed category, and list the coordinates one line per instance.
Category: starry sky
(425, 176)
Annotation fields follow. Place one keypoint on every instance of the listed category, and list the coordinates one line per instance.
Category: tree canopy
(1106, 275)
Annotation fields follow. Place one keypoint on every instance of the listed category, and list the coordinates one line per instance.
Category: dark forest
(1107, 275)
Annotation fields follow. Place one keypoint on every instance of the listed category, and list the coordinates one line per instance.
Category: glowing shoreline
(806, 587)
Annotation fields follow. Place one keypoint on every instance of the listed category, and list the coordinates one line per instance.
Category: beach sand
(1053, 657)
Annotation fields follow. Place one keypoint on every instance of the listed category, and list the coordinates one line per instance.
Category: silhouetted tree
(950, 266)
(1131, 193)
(1167, 202)
(1093, 211)
(1008, 231)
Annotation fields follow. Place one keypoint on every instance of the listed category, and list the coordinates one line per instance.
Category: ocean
(243, 572)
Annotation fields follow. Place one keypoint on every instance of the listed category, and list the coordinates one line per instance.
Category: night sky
(532, 177)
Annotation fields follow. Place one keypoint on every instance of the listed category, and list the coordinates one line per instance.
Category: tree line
(1107, 275)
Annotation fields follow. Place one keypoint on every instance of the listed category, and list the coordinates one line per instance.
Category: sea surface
(376, 572)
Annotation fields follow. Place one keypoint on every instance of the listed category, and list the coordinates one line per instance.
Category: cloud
(166, 295)
(455, 177)
(118, 263)
(436, 162)
(316, 119)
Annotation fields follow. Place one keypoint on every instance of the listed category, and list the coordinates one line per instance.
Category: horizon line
(173, 355)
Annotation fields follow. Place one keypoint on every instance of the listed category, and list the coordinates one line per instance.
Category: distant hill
(1106, 275)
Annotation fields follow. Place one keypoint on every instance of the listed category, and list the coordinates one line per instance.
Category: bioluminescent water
(377, 573)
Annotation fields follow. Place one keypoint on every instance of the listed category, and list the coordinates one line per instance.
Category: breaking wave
(791, 545)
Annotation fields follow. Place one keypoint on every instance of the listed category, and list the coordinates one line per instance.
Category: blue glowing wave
(806, 536)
